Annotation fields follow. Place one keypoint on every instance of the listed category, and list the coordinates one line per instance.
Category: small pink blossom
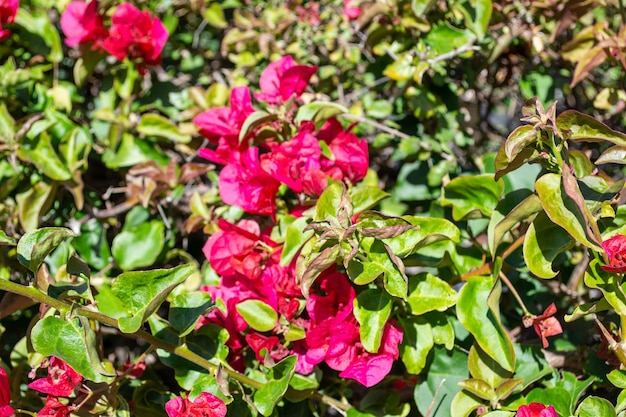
(8, 11)
(61, 381)
(205, 405)
(81, 23)
(283, 79)
(536, 410)
(615, 249)
(545, 325)
(263, 345)
(350, 10)
(136, 35)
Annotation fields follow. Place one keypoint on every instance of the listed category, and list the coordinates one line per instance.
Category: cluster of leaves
(368, 239)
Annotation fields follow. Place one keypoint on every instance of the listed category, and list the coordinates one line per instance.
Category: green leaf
(294, 239)
(479, 388)
(372, 309)
(186, 309)
(66, 339)
(484, 367)
(472, 196)
(575, 387)
(152, 124)
(258, 315)
(476, 315)
(7, 125)
(427, 231)
(6, 240)
(33, 203)
(254, 121)
(319, 112)
(617, 378)
(544, 242)
(35, 245)
(530, 364)
(514, 208)
(463, 404)
(436, 392)
(39, 25)
(140, 246)
(613, 155)
(92, 244)
(443, 332)
(142, 292)
(374, 262)
(429, 293)
(365, 197)
(559, 398)
(577, 126)
(214, 15)
(45, 158)
(266, 397)
(417, 342)
(609, 284)
(328, 203)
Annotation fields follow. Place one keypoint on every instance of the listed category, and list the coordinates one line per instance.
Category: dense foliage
(359, 208)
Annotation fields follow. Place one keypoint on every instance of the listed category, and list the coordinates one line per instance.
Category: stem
(181, 351)
(508, 283)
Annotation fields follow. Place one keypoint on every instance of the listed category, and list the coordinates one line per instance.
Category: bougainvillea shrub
(243, 208)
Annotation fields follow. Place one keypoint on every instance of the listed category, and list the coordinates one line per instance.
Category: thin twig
(508, 283)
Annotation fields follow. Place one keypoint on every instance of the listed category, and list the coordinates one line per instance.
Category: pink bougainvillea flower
(205, 405)
(222, 125)
(262, 345)
(370, 368)
(289, 161)
(5, 395)
(615, 249)
(8, 11)
(54, 408)
(81, 23)
(350, 10)
(350, 153)
(545, 325)
(243, 183)
(231, 250)
(283, 79)
(333, 296)
(536, 410)
(334, 341)
(61, 380)
(136, 35)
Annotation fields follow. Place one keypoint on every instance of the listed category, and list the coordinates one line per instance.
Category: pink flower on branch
(350, 154)
(136, 35)
(283, 79)
(5, 395)
(238, 249)
(290, 161)
(545, 325)
(54, 408)
(81, 23)
(536, 410)
(61, 381)
(204, 405)
(8, 11)
(615, 249)
(222, 125)
(245, 184)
